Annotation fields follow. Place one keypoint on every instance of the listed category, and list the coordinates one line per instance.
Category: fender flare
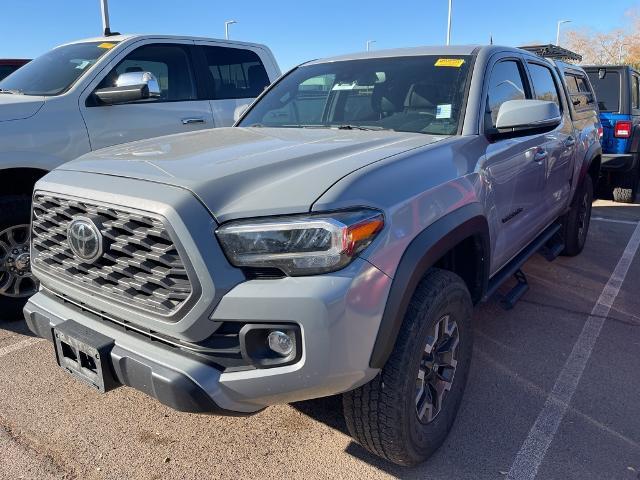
(635, 140)
(594, 151)
(421, 254)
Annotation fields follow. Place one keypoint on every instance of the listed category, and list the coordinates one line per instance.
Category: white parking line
(534, 448)
(613, 220)
(14, 347)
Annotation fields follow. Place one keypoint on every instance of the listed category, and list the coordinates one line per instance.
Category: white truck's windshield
(55, 71)
(422, 94)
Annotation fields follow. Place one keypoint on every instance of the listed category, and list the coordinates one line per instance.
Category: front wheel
(16, 281)
(406, 412)
(577, 221)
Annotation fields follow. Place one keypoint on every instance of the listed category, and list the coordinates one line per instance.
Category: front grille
(140, 265)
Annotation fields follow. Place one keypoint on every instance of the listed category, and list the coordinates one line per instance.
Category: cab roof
(137, 36)
(450, 50)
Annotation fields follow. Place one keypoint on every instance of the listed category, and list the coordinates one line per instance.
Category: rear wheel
(406, 412)
(577, 221)
(16, 281)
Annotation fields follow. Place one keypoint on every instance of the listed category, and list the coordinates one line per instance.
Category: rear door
(514, 167)
(560, 143)
(235, 76)
(179, 108)
(607, 84)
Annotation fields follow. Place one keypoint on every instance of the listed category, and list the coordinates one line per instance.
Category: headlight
(302, 244)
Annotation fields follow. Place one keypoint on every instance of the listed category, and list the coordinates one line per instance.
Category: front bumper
(619, 162)
(338, 314)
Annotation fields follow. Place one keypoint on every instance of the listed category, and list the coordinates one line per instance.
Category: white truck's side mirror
(130, 87)
(239, 111)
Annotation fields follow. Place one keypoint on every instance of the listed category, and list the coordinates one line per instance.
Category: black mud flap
(85, 354)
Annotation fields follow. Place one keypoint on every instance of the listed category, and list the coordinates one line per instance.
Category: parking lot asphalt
(554, 391)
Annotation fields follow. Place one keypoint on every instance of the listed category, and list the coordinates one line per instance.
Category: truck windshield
(421, 94)
(55, 71)
(607, 89)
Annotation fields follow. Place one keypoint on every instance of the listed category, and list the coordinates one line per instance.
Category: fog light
(280, 343)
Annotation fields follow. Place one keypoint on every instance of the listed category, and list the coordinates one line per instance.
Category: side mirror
(239, 111)
(130, 87)
(519, 115)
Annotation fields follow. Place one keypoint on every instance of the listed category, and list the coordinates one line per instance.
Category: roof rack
(553, 51)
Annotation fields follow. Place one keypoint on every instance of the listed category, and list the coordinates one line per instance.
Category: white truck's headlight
(301, 244)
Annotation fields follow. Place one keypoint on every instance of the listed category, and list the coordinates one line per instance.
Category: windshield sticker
(84, 64)
(344, 86)
(449, 62)
(443, 111)
(107, 45)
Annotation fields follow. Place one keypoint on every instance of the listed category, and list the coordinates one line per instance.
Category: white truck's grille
(139, 266)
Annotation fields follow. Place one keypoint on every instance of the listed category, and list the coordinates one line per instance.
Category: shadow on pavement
(16, 326)
(617, 211)
(328, 410)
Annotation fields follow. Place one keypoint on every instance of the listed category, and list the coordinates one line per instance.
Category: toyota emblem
(85, 239)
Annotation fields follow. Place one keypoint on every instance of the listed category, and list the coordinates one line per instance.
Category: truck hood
(18, 107)
(243, 172)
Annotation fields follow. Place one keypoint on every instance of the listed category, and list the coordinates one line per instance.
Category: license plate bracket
(84, 353)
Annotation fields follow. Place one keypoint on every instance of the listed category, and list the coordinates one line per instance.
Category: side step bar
(511, 298)
(514, 266)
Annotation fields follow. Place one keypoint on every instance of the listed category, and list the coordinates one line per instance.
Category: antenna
(491, 39)
(106, 30)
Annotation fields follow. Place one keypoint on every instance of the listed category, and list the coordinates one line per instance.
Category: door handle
(570, 142)
(192, 121)
(540, 156)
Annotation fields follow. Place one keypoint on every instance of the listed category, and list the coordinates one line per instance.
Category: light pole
(620, 51)
(560, 22)
(369, 43)
(449, 23)
(226, 28)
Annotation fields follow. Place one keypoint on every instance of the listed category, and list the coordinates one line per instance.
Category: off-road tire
(626, 192)
(14, 210)
(577, 221)
(381, 415)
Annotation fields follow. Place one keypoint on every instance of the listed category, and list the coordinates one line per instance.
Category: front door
(513, 168)
(177, 110)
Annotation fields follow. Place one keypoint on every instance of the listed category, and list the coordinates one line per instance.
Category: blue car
(617, 90)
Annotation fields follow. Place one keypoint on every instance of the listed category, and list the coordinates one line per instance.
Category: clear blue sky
(300, 30)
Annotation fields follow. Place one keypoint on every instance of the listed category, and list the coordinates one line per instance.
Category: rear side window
(236, 73)
(607, 89)
(506, 83)
(635, 92)
(544, 86)
(580, 94)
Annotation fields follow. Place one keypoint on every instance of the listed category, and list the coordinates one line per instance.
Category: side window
(506, 83)
(170, 65)
(580, 93)
(572, 84)
(236, 73)
(544, 85)
(635, 92)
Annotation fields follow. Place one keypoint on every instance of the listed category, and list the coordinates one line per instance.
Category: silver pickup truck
(334, 241)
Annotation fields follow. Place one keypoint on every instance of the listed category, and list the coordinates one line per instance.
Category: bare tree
(621, 45)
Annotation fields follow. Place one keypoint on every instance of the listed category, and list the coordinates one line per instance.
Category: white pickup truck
(104, 91)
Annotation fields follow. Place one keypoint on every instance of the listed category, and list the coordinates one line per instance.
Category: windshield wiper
(358, 127)
(11, 91)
